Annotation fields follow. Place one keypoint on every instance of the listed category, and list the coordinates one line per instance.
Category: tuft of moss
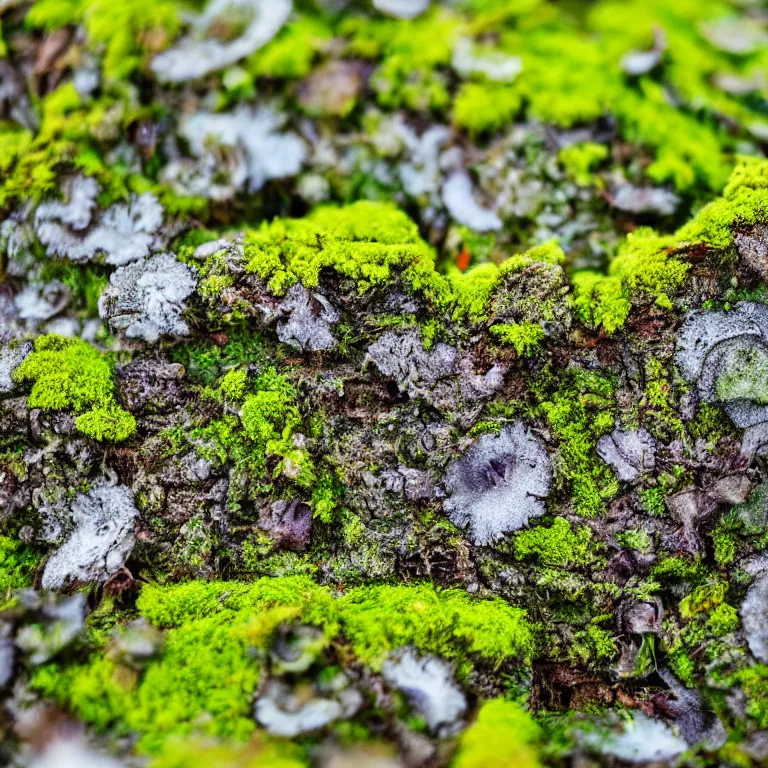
(524, 337)
(17, 565)
(449, 623)
(365, 242)
(503, 734)
(558, 545)
(580, 161)
(579, 412)
(485, 108)
(70, 374)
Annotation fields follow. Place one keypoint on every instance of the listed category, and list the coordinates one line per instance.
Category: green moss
(747, 380)
(557, 545)
(643, 272)
(126, 30)
(592, 647)
(636, 539)
(413, 54)
(679, 569)
(473, 289)
(524, 337)
(580, 161)
(260, 752)
(203, 682)
(503, 734)
(754, 682)
(271, 410)
(366, 242)
(234, 385)
(703, 599)
(485, 108)
(291, 54)
(579, 412)
(723, 619)
(646, 269)
(69, 374)
(17, 565)
(450, 624)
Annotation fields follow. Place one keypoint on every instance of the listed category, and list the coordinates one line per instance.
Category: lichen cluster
(383, 383)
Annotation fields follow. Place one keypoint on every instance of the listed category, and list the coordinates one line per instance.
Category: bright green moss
(450, 624)
(413, 54)
(646, 269)
(703, 599)
(592, 647)
(679, 569)
(723, 619)
(636, 539)
(234, 385)
(69, 374)
(642, 272)
(202, 683)
(260, 752)
(17, 565)
(473, 290)
(524, 337)
(557, 545)
(291, 54)
(754, 682)
(127, 30)
(270, 410)
(503, 734)
(485, 108)
(579, 412)
(580, 161)
(365, 242)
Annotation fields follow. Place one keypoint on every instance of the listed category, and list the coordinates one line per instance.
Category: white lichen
(428, 683)
(639, 740)
(402, 358)
(499, 484)
(492, 65)
(754, 618)
(11, 357)
(308, 321)
(459, 199)
(145, 299)
(402, 9)
(197, 56)
(72, 753)
(102, 537)
(77, 230)
(629, 452)
(261, 151)
(290, 713)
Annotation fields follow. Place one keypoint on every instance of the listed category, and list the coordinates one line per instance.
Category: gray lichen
(631, 453)
(78, 231)
(194, 58)
(499, 484)
(726, 355)
(309, 319)
(428, 683)
(262, 152)
(145, 299)
(754, 617)
(102, 537)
